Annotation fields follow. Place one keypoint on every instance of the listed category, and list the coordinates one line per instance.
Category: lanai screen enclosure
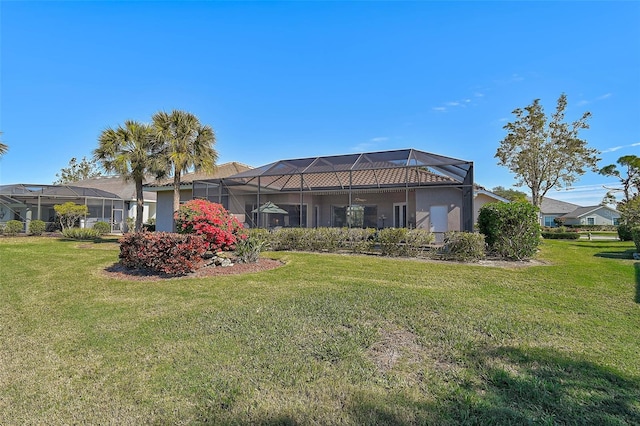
(29, 202)
(343, 186)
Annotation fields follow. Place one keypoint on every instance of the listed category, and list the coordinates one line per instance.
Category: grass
(326, 339)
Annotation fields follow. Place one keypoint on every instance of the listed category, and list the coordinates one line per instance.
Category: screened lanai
(350, 185)
(26, 202)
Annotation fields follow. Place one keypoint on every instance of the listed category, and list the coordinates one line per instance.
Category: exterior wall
(601, 216)
(432, 197)
(164, 208)
(479, 201)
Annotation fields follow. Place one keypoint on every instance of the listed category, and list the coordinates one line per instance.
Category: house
(551, 209)
(400, 188)
(27, 202)
(125, 189)
(192, 185)
(592, 215)
(573, 214)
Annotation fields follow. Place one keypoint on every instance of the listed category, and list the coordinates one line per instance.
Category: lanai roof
(365, 170)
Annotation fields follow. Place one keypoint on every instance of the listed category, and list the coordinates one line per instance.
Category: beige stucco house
(401, 188)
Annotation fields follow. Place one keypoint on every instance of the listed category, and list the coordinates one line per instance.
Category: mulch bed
(121, 272)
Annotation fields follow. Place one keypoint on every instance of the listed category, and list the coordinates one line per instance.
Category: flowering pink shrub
(165, 252)
(218, 228)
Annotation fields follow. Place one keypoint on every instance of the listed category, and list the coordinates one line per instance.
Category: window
(548, 221)
(591, 221)
(616, 221)
(356, 216)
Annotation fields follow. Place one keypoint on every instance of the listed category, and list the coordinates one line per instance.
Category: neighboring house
(192, 185)
(551, 209)
(592, 215)
(127, 191)
(403, 188)
(27, 202)
(573, 214)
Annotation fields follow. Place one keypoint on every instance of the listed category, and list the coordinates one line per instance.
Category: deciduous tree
(543, 152)
(629, 177)
(77, 170)
(510, 194)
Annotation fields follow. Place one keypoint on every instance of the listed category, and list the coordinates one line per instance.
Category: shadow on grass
(519, 386)
(626, 254)
(497, 386)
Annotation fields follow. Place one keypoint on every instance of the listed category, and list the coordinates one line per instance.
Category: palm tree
(133, 152)
(188, 145)
(3, 148)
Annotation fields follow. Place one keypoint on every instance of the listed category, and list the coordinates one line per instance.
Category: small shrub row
(611, 228)
(37, 227)
(560, 235)
(463, 246)
(102, 228)
(162, 252)
(12, 227)
(392, 241)
(80, 233)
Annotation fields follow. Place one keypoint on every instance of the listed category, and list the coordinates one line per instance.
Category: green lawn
(325, 339)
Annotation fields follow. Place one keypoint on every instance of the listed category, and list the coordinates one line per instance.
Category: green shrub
(360, 240)
(13, 227)
(102, 228)
(248, 250)
(37, 227)
(164, 252)
(635, 234)
(463, 246)
(291, 239)
(392, 241)
(418, 241)
(560, 235)
(511, 230)
(624, 232)
(327, 239)
(80, 233)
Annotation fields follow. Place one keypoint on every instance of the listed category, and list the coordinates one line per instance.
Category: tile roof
(115, 184)
(221, 171)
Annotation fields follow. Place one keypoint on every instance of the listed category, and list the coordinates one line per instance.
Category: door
(400, 215)
(438, 216)
(117, 219)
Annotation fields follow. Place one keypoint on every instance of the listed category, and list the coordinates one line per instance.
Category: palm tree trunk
(139, 205)
(176, 195)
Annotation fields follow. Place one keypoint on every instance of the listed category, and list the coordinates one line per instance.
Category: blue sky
(296, 79)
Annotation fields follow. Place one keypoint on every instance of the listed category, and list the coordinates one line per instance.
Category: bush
(624, 232)
(291, 239)
(361, 240)
(80, 233)
(102, 228)
(560, 235)
(13, 227)
(69, 213)
(511, 230)
(417, 241)
(163, 252)
(248, 250)
(392, 241)
(37, 227)
(635, 234)
(463, 246)
(213, 222)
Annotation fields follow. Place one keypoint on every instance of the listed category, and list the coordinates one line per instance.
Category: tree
(77, 170)
(510, 194)
(630, 180)
(3, 148)
(188, 145)
(69, 213)
(132, 151)
(543, 153)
